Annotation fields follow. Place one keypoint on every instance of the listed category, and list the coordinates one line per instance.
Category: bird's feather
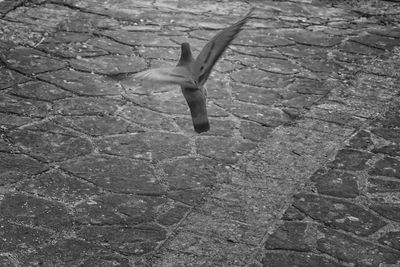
(213, 50)
(173, 75)
(196, 99)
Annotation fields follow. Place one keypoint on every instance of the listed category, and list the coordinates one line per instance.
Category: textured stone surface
(99, 169)
(339, 214)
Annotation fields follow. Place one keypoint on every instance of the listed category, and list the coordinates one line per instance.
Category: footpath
(301, 166)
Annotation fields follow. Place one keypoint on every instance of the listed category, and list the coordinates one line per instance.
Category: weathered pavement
(301, 166)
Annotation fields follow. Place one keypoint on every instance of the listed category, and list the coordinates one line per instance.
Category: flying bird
(191, 74)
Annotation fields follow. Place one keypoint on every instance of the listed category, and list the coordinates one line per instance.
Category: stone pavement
(301, 166)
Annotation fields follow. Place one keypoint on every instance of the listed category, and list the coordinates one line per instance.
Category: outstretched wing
(174, 75)
(213, 50)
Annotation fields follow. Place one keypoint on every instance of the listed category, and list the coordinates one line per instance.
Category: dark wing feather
(213, 50)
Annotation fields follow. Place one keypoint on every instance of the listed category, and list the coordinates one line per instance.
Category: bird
(191, 74)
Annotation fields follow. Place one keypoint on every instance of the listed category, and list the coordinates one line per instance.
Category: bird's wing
(174, 75)
(213, 50)
(196, 100)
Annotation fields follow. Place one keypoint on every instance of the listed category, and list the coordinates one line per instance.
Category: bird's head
(186, 54)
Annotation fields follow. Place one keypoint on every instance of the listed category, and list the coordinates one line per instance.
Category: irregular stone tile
(261, 38)
(391, 239)
(71, 251)
(14, 238)
(361, 140)
(351, 160)
(351, 250)
(9, 77)
(59, 186)
(51, 146)
(15, 167)
(222, 148)
(173, 216)
(4, 260)
(188, 173)
(264, 115)
(170, 102)
(217, 127)
(147, 145)
(87, 106)
(303, 51)
(257, 51)
(325, 127)
(116, 174)
(314, 38)
(297, 236)
(391, 150)
(390, 134)
(147, 118)
(7, 6)
(301, 101)
(159, 53)
(127, 240)
(110, 46)
(386, 167)
(31, 61)
(260, 78)
(386, 30)
(40, 90)
(357, 48)
(23, 107)
(381, 42)
(254, 131)
(309, 86)
(293, 214)
(254, 94)
(98, 125)
(321, 66)
(389, 211)
(140, 38)
(120, 209)
(339, 214)
(376, 185)
(109, 65)
(336, 183)
(212, 251)
(190, 197)
(104, 261)
(298, 259)
(10, 121)
(81, 83)
(71, 50)
(281, 66)
(34, 211)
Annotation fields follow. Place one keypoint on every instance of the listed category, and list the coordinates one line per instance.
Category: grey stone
(391, 150)
(391, 239)
(59, 186)
(128, 240)
(191, 173)
(188, 196)
(50, 146)
(298, 259)
(109, 65)
(358, 48)
(86, 106)
(339, 214)
(25, 209)
(315, 38)
(40, 90)
(15, 167)
(254, 94)
(376, 185)
(376, 41)
(81, 83)
(260, 78)
(140, 38)
(336, 183)
(223, 148)
(116, 174)
(121, 209)
(390, 134)
(254, 131)
(173, 215)
(361, 140)
(31, 61)
(297, 236)
(147, 145)
(351, 250)
(350, 160)
(293, 214)
(390, 211)
(23, 107)
(386, 167)
(9, 78)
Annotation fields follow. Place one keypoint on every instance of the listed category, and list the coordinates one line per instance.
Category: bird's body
(191, 74)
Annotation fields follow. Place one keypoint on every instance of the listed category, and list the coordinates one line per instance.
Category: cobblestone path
(301, 165)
